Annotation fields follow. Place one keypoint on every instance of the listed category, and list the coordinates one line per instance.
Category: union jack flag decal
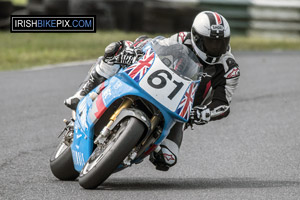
(186, 103)
(139, 69)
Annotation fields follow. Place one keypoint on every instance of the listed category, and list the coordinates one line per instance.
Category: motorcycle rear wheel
(61, 163)
(103, 162)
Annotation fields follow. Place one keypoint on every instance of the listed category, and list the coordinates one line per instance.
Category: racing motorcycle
(124, 119)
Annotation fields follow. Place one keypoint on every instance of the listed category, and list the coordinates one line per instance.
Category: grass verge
(23, 50)
(19, 2)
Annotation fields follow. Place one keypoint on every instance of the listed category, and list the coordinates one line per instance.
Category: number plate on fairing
(164, 85)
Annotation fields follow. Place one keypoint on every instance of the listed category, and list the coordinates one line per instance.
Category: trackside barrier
(249, 17)
(275, 18)
(263, 17)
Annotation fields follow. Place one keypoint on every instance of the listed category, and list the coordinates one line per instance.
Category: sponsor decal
(117, 85)
(168, 157)
(82, 109)
(129, 43)
(217, 27)
(79, 159)
(46, 23)
(181, 35)
(78, 136)
(106, 93)
(233, 73)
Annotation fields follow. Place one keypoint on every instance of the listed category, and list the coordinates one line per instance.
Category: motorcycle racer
(209, 39)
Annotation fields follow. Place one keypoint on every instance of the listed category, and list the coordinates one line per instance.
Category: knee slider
(170, 158)
(169, 151)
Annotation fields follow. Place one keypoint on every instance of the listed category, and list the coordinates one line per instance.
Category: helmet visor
(213, 47)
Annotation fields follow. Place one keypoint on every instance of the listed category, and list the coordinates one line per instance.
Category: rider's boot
(93, 81)
(165, 156)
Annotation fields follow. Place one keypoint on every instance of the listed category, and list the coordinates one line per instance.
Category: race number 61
(163, 82)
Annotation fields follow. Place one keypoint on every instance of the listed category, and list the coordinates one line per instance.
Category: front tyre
(103, 162)
(61, 163)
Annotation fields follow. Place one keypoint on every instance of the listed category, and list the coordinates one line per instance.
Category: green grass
(23, 50)
(18, 2)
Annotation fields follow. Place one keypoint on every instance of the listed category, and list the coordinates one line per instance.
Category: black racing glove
(129, 56)
(118, 53)
(200, 115)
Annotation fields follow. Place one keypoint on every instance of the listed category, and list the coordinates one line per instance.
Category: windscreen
(179, 58)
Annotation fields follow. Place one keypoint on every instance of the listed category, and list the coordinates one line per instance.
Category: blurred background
(252, 154)
(271, 18)
(255, 25)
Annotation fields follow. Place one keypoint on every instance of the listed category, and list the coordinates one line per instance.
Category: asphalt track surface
(252, 154)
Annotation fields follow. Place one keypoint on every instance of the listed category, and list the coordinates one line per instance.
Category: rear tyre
(61, 163)
(103, 162)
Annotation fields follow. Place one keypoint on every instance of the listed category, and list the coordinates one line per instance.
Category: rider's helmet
(210, 36)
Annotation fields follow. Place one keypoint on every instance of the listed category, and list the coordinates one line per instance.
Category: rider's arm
(140, 41)
(224, 88)
(181, 38)
(106, 65)
(223, 83)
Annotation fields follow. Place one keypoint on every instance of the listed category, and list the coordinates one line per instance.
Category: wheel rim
(60, 150)
(98, 154)
(64, 145)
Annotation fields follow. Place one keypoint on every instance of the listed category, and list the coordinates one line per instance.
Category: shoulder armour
(231, 63)
(228, 61)
(183, 37)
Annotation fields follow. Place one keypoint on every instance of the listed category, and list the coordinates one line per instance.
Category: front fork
(68, 132)
(125, 104)
(105, 131)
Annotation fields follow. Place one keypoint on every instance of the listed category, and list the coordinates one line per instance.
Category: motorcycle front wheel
(61, 162)
(103, 162)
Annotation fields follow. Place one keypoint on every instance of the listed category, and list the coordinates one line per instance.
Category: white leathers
(226, 61)
(218, 111)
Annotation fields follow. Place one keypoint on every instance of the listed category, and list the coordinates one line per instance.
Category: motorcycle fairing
(121, 85)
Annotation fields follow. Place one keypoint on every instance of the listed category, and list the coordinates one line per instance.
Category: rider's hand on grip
(200, 115)
(127, 57)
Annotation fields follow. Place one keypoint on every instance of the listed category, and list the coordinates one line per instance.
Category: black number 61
(163, 82)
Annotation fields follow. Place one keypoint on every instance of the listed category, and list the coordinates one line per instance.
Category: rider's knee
(165, 156)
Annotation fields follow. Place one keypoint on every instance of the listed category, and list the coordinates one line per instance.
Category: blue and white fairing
(166, 76)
